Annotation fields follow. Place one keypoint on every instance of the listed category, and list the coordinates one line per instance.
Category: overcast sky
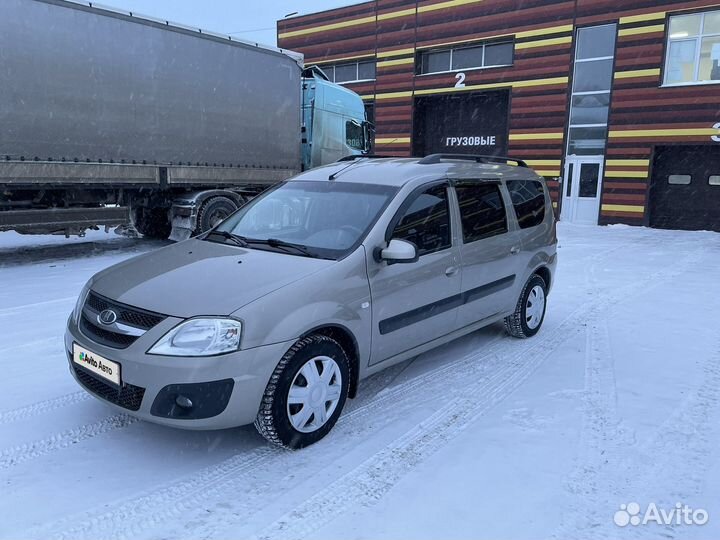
(252, 20)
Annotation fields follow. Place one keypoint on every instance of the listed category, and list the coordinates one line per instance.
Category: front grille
(105, 337)
(126, 314)
(128, 396)
(139, 319)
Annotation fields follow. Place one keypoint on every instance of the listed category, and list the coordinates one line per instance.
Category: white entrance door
(582, 186)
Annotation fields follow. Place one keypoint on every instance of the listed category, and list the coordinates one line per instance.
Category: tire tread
(514, 323)
(264, 421)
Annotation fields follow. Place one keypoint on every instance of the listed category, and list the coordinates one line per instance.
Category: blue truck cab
(333, 121)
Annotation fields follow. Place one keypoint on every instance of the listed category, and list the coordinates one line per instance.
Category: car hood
(197, 277)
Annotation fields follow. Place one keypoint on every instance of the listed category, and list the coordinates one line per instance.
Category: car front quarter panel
(336, 296)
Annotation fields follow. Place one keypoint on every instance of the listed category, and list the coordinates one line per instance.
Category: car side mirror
(399, 251)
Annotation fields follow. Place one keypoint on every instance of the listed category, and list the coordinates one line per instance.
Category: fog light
(184, 402)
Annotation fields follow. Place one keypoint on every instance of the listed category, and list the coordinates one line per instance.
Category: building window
(592, 81)
(714, 180)
(679, 179)
(363, 70)
(483, 55)
(693, 50)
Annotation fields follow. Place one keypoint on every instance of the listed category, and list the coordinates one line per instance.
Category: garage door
(472, 123)
(685, 188)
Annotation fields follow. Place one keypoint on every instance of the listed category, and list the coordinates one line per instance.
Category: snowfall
(612, 410)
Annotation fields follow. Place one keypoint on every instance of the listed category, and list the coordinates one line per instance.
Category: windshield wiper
(282, 244)
(234, 238)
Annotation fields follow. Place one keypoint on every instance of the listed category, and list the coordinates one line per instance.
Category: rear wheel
(213, 211)
(530, 310)
(306, 393)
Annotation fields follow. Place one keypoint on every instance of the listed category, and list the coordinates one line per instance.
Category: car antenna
(335, 174)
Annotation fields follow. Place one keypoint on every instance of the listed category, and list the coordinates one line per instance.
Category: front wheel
(306, 393)
(529, 312)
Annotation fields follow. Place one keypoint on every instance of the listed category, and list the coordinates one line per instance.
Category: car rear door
(490, 244)
(414, 303)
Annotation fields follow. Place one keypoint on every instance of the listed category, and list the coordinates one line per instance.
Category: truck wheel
(306, 393)
(152, 222)
(529, 313)
(213, 211)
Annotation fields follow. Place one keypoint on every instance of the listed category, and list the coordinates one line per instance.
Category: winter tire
(529, 312)
(306, 393)
(213, 211)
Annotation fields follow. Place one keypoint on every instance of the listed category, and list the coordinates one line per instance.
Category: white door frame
(576, 209)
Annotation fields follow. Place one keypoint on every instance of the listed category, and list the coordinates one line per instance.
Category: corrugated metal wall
(642, 112)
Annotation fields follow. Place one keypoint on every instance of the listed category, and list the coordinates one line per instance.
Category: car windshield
(327, 219)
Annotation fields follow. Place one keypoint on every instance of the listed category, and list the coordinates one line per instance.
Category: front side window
(528, 198)
(327, 218)
(482, 211)
(426, 222)
(693, 50)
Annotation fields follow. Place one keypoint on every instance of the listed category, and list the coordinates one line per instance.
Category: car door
(489, 248)
(414, 303)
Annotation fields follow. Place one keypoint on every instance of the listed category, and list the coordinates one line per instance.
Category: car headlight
(200, 337)
(80, 302)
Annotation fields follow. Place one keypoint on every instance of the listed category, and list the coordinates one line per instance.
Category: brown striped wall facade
(643, 113)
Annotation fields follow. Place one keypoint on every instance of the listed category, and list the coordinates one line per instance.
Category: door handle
(514, 250)
(451, 271)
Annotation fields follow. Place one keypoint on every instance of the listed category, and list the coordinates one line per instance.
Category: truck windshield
(327, 219)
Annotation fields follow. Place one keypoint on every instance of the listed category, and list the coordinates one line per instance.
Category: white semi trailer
(107, 118)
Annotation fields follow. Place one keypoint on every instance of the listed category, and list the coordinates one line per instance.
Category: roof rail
(437, 158)
(353, 157)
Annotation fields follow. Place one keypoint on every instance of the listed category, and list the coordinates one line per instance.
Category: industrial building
(616, 103)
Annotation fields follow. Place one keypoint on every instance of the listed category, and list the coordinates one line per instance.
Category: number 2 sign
(460, 77)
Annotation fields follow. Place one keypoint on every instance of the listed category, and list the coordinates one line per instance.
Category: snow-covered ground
(614, 402)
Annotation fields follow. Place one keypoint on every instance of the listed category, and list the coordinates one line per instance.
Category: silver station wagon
(275, 315)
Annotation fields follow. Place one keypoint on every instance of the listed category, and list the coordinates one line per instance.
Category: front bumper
(229, 388)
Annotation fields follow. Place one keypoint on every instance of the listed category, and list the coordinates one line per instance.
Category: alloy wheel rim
(535, 307)
(314, 394)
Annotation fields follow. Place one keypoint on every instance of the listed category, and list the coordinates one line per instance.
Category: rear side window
(482, 211)
(426, 222)
(528, 198)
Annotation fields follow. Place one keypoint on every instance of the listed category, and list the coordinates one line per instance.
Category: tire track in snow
(42, 407)
(221, 482)
(671, 466)
(14, 310)
(16, 455)
(600, 438)
(604, 465)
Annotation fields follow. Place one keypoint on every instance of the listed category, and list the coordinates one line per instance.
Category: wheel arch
(544, 272)
(348, 342)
